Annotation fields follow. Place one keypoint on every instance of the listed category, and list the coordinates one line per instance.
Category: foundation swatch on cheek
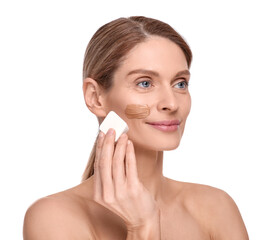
(137, 111)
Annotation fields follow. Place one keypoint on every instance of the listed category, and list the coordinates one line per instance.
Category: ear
(93, 95)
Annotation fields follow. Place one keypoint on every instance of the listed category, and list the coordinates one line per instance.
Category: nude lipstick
(166, 126)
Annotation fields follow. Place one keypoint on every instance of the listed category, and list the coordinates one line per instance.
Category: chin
(158, 145)
(168, 147)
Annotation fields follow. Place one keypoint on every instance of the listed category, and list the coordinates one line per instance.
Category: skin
(137, 111)
(128, 197)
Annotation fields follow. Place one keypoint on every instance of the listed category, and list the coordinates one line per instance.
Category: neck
(150, 170)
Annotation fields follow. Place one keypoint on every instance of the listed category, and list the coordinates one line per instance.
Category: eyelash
(185, 82)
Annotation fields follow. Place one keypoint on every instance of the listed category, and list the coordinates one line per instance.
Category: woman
(139, 68)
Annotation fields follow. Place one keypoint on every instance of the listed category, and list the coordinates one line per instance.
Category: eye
(144, 84)
(183, 84)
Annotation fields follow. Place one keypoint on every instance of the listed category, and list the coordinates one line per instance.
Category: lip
(165, 123)
(166, 126)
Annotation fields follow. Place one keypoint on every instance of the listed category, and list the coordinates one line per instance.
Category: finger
(97, 178)
(99, 144)
(131, 165)
(118, 165)
(105, 163)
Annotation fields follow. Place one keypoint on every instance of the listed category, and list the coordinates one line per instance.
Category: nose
(168, 100)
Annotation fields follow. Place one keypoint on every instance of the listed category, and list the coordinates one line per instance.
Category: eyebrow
(156, 74)
(184, 72)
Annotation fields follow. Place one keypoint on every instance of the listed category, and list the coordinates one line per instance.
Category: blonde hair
(108, 46)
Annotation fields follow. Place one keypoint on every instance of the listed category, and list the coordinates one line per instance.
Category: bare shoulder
(215, 210)
(58, 216)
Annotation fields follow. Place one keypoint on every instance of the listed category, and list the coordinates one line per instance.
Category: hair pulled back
(111, 43)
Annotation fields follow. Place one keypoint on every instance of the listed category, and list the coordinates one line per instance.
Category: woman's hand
(117, 186)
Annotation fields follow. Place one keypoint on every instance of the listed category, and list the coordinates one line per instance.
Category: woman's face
(160, 83)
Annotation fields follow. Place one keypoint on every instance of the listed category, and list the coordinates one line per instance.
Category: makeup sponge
(112, 120)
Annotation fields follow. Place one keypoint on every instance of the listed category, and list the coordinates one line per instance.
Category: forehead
(157, 54)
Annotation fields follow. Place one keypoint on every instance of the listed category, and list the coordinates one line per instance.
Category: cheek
(189, 103)
(117, 102)
(186, 105)
(137, 111)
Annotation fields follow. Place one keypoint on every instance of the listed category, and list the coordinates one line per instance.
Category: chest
(176, 223)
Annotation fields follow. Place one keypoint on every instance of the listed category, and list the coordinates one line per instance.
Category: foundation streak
(137, 111)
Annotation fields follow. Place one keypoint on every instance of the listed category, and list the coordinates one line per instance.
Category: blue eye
(144, 85)
(184, 84)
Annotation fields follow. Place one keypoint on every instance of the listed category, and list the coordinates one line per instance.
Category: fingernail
(101, 134)
(110, 132)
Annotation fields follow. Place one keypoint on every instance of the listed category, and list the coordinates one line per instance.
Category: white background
(46, 131)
